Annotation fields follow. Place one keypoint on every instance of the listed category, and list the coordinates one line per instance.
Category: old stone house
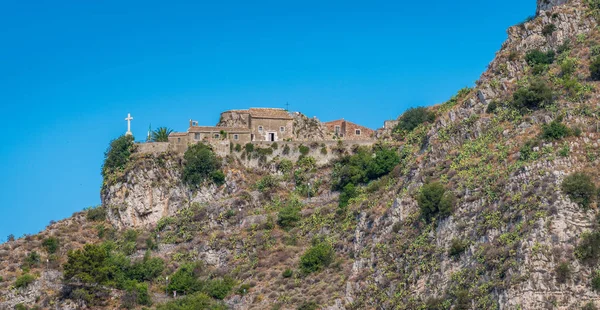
(265, 124)
(346, 130)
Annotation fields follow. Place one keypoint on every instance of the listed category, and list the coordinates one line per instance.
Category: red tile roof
(265, 113)
(218, 129)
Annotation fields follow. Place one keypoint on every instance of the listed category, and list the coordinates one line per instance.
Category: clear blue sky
(70, 71)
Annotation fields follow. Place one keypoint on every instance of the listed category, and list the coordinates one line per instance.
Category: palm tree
(161, 134)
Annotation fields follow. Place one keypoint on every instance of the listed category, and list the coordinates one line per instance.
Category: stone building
(265, 124)
(346, 130)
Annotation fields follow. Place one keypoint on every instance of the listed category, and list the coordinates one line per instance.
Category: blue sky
(70, 71)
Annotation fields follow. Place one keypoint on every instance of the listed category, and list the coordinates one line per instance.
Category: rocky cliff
(509, 236)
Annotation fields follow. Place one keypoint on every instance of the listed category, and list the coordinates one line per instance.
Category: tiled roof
(269, 113)
(217, 129)
(178, 134)
(343, 120)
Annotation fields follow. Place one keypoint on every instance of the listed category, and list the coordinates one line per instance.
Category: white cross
(128, 119)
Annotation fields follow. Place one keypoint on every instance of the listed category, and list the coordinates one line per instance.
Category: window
(282, 129)
(337, 130)
(197, 136)
(357, 132)
(178, 140)
(236, 137)
(216, 136)
(260, 128)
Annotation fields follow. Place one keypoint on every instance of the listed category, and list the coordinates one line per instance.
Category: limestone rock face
(544, 5)
(152, 190)
(309, 129)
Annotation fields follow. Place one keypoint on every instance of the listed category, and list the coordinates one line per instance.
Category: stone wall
(271, 126)
(153, 147)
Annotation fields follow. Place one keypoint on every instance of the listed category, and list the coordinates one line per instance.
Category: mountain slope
(477, 211)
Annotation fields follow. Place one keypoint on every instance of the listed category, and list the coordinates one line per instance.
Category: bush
(117, 155)
(414, 117)
(304, 150)
(198, 301)
(348, 192)
(457, 247)
(24, 280)
(286, 150)
(219, 288)
(51, 245)
(96, 214)
(289, 216)
(589, 306)
(285, 166)
(238, 148)
(249, 148)
(267, 183)
(324, 150)
(588, 249)
(308, 305)
(184, 280)
(580, 188)
(596, 281)
(537, 95)
(136, 293)
(10, 238)
(555, 131)
(548, 29)
(434, 201)
(595, 69)
(568, 66)
(563, 272)
(492, 107)
(364, 166)
(201, 164)
(288, 273)
(537, 57)
(318, 257)
(33, 259)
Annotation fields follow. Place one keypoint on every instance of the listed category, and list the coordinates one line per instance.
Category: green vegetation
(96, 214)
(360, 168)
(201, 164)
(563, 272)
(555, 131)
(117, 155)
(186, 281)
(50, 244)
(434, 201)
(414, 117)
(289, 215)
(318, 257)
(101, 265)
(267, 184)
(161, 134)
(198, 301)
(588, 248)
(580, 188)
(548, 29)
(304, 150)
(457, 247)
(537, 57)
(535, 96)
(288, 273)
(595, 69)
(249, 147)
(596, 281)
(308, 305)
(24, 280)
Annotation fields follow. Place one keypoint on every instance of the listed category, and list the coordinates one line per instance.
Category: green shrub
(580, 188)
(324, 150)
(117, 155)
(136, 293)
(348, 192)
(267, 184)
(537, 57)
(457, 247)
(595, 69)
(548, 29)
(595, 50)
(363, 166)
(198, 301)
(10, 238)
(555, 131)
(568, 66)
(434, 201)
(492, 107)
(274, 145)
(304, 150)
(249, 148)
(286, 150)
(535, 96)
(588, 248)
(24, 280)
(184, 280)
(289, 216)
(589, 306)
(20, 307)
(238, 147)
(318, 257)
(244, 289)
(201, 164)
(285, 166)
(563, 272)
(218, 177)
(526, 151)
(146, 270)
(33, 259)
(414, 117)
(50, 244)
(596, 281)
(96, 214)
(218, 288)
(288, 273)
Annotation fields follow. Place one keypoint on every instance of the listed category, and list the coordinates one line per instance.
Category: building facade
(265, 124)
(346, 130)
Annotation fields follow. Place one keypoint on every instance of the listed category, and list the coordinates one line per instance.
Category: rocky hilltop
(487, 201)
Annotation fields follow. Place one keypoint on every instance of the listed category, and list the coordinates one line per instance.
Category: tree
(317, 257)
(51, 245)
(414, 117)
(161, 134)
(201, 164)
(117, 155)
(537, 95)
(580, 188)
(433, 200)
